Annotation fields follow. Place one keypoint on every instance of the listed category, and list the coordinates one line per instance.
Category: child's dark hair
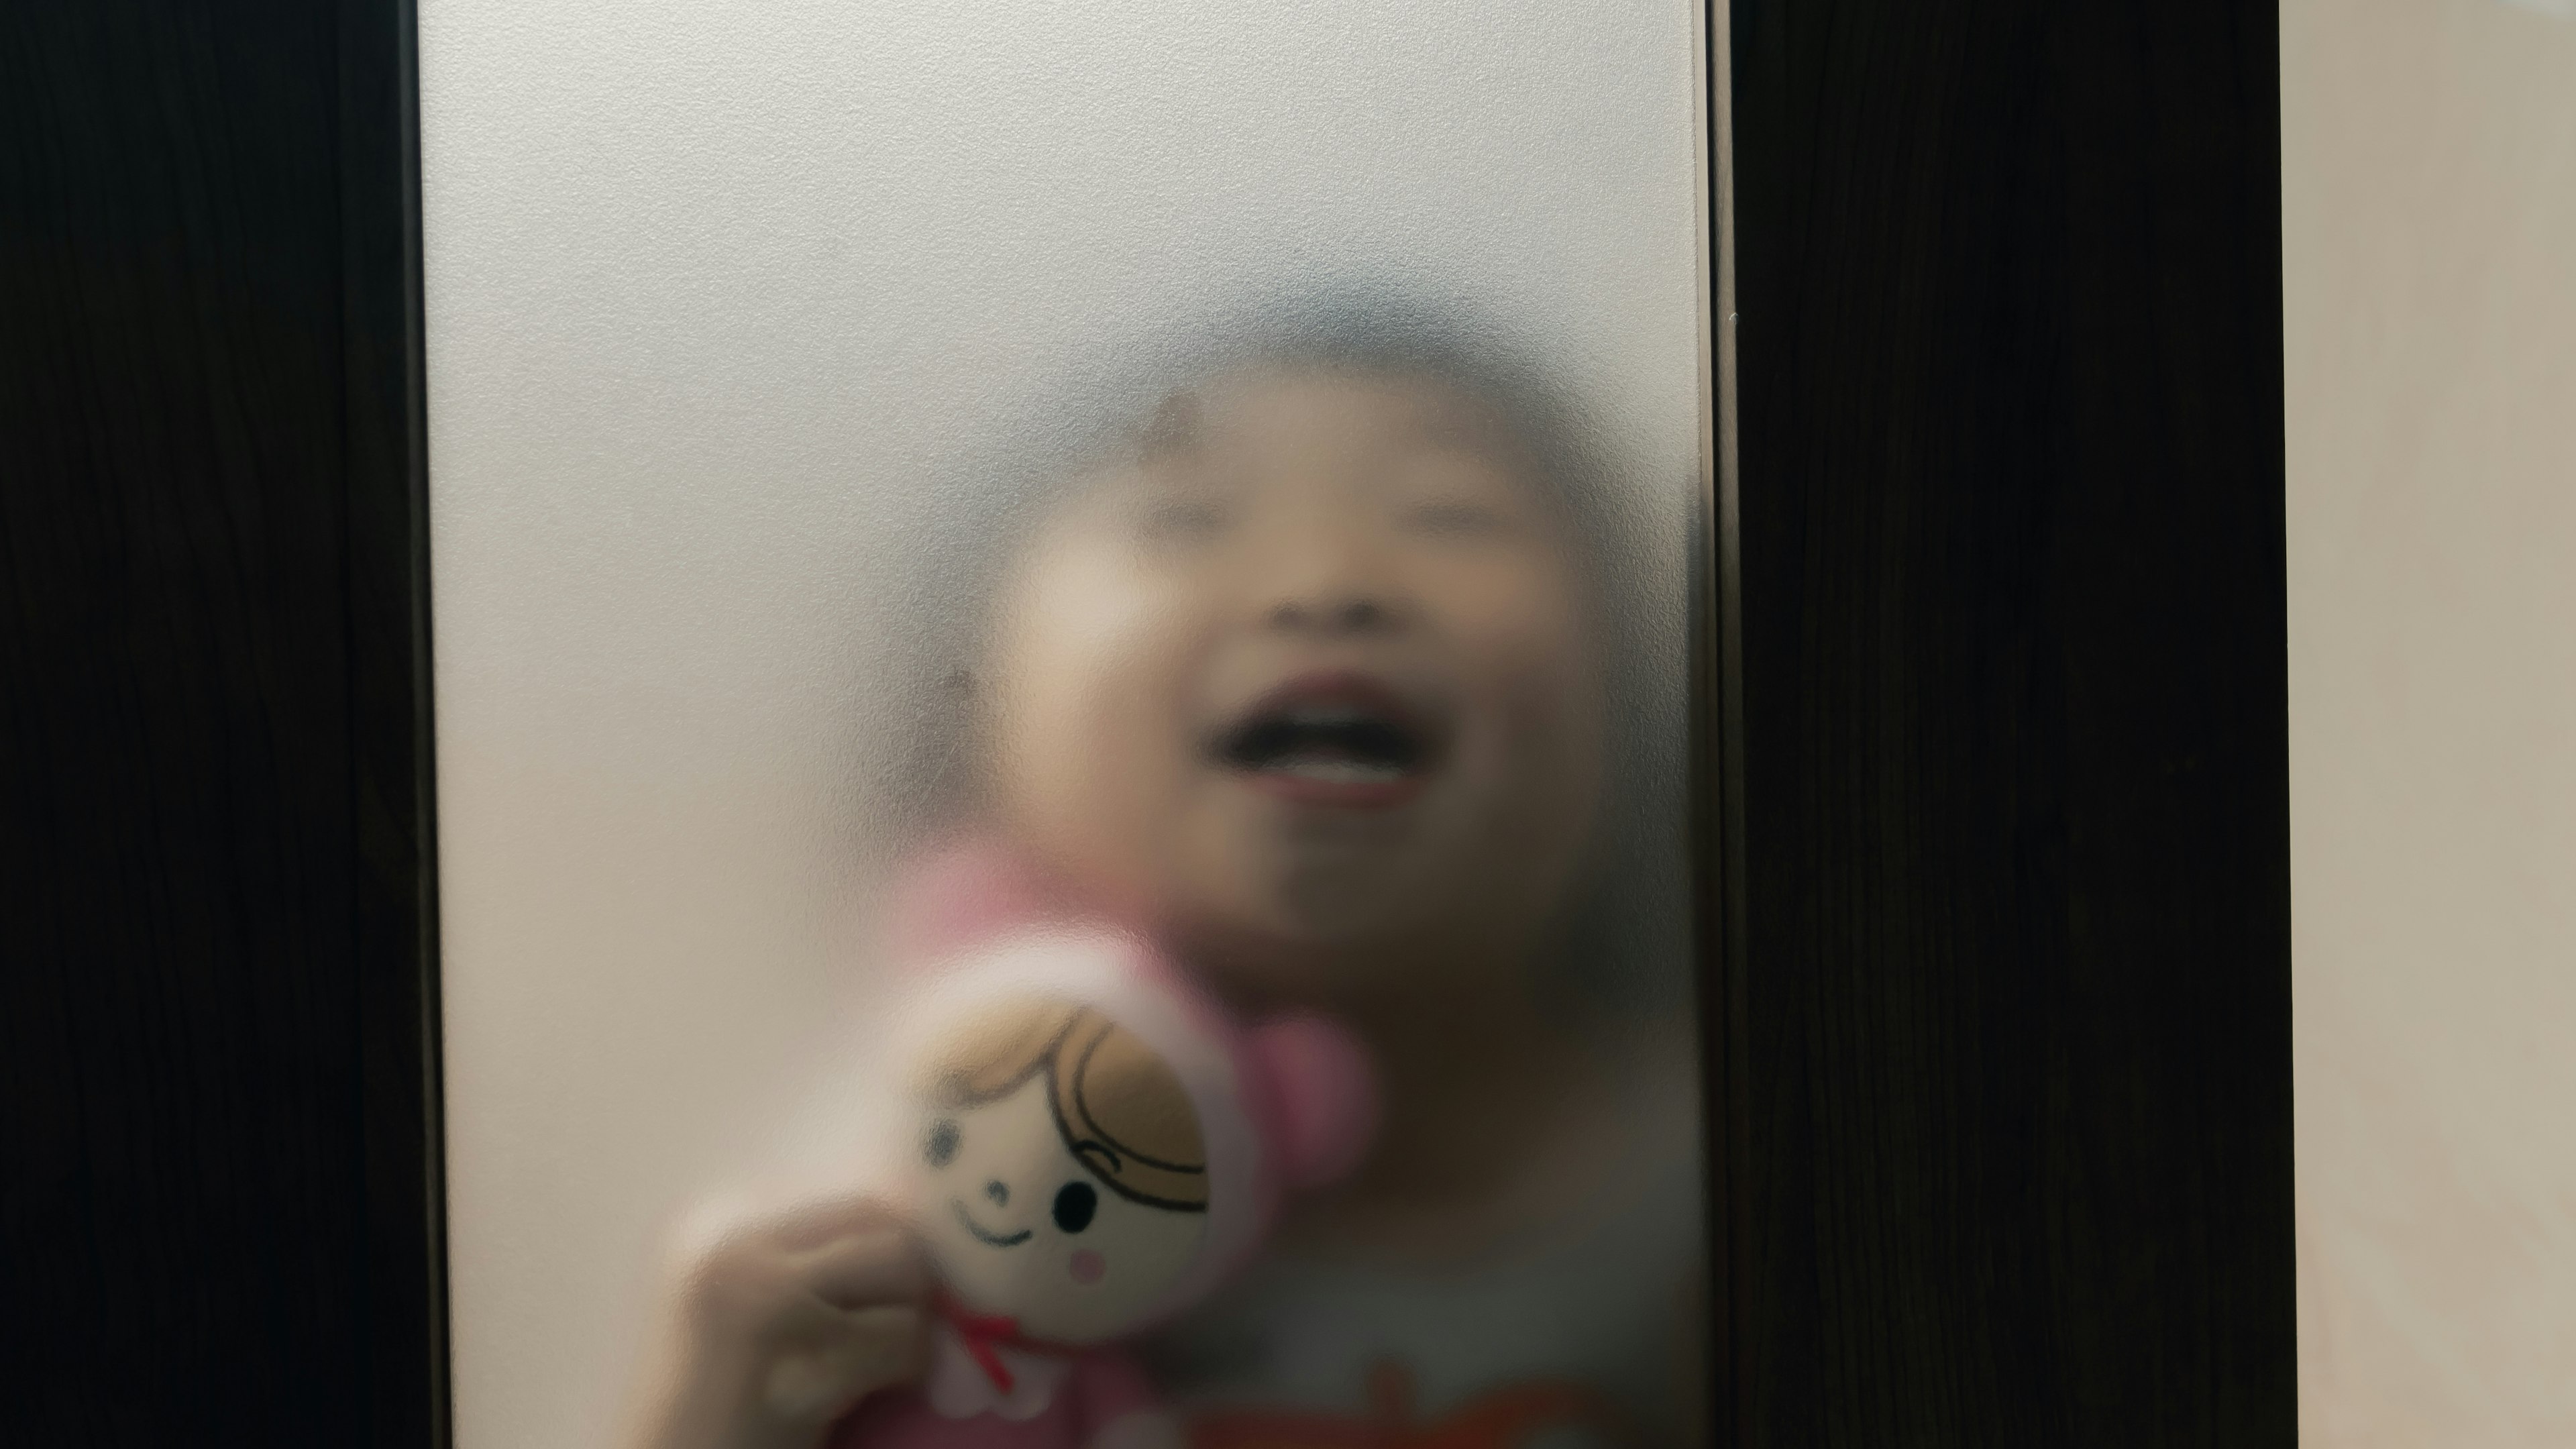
(1626, 934)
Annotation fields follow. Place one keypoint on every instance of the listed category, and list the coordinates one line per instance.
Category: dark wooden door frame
(220, 1213)
(1991, 729)
(2009, 1027)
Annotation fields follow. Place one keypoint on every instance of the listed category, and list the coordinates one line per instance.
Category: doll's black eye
(941, 1149)
(1075, 1202)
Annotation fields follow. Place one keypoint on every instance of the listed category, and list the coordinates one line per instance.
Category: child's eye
(941, 1148)
(1075, 1202)
(1181, 520)
(1453, 520)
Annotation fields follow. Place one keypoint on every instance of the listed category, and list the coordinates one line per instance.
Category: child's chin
(1296, 963)
(1335, 906)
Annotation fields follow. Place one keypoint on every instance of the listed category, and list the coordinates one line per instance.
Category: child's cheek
(1088, 1267)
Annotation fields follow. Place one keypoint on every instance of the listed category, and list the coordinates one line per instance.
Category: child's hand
(779, 1327)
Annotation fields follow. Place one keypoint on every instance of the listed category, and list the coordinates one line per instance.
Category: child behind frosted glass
(1318, 672)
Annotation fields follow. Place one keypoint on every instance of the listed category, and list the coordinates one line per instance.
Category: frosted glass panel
(1201, 487)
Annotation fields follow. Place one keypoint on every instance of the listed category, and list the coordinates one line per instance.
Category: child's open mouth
(1337, 739)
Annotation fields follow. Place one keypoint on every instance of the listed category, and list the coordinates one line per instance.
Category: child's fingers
(874, 1266)
(726, 1248)
(816, 1224)
(855, 1355)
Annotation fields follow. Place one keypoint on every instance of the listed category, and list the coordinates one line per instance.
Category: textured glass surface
(778, 354)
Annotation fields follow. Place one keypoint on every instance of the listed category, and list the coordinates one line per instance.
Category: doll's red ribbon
(985, 1335)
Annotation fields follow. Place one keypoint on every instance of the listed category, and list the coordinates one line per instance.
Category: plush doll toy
(1098, 1147)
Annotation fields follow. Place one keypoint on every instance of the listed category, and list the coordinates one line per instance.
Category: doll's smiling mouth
(984, 1234)
(1337, 738)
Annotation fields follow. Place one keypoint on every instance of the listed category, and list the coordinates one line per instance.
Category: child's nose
(1332, 583)
(998, 1192)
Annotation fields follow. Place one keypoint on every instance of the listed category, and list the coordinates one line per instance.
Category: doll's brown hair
(1119, 1107)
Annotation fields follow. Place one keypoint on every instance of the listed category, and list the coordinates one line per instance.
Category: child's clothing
(1582, 1337)
(997, 1396)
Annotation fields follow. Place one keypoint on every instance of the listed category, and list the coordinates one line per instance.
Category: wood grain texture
(2014, 1004)
(216, 1216)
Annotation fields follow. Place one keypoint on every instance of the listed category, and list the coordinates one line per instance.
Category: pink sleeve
(1111, 1386)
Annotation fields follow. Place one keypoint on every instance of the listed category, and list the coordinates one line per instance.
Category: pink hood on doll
(1286, 1104)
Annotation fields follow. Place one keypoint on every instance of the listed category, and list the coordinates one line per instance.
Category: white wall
(2429, 209)
(715, 289)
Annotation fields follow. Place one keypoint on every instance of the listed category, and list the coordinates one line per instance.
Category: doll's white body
(1099, 1147)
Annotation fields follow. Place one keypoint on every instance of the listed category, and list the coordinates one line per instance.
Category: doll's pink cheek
(1088, 1266)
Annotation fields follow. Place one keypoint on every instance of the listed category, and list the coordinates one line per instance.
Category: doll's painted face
(1309, 684)
(1059, 1177)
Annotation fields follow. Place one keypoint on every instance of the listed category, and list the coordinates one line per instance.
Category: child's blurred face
(1312, 685)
